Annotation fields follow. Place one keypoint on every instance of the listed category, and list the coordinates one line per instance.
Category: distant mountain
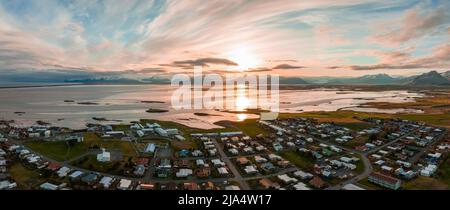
(293, 81)
(104, 81)
(377, 79)
(152, 80)
(430, 79)
(446, 74)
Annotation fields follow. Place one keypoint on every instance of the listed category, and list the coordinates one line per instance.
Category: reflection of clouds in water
(125, 104)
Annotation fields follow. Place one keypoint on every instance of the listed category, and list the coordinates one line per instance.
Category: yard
(25, 178)
(116, 167)
(306, 163)
(59, 151)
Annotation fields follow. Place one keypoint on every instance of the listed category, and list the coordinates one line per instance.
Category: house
(352, 187)
(268, 184)
(286, 179)
(48, 186)
(274, 157)
(180, 137)
(183, 173)
(161, 132)
(53, 166)
(163, 172)
(384, 181)
(259, 159)
(165, 163)
(75, 175)
(222, 171)
(104, 156)
(106, 182)
(146, 186)
(277, 146)
(2, 152)
(139, 170)
(301, 186)
(242, 160)
(124, 184)
(150, 148)
(303, 175)
(140, 133)
(233, 151)
(250, 169)
(203, 172)
(283, 163)
(217, 162)
(200, 162)
(317, 182)
(197, 153)
(90, 178)
(268, 167)
(172, 131)
(142, 161)
(232, 187)
(429, 170)
(209, 186)
(7, 185)
(191, 186)
(63, 171)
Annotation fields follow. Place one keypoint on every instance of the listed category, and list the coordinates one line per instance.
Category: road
(238, 178)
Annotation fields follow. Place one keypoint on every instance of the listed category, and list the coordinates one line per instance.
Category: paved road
(238, 178)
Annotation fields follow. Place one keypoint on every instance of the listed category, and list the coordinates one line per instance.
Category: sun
(244, 58)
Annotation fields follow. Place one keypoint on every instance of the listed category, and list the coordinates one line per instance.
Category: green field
(90, 162)
(306, 163)
(25, 178)
(126, 147)
(59, 151)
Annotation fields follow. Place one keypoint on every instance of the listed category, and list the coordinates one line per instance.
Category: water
(124, 103)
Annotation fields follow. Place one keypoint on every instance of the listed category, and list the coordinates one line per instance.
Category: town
(292, 154)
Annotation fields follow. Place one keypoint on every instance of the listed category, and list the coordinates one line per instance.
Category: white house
(104, 156)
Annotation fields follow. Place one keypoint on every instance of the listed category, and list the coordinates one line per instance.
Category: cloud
(414, 24)
(287, 67)
(205, 62)
(438, 59)
(135, 35)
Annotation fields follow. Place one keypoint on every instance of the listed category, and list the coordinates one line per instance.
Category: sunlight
(241, 117)
(243, 58)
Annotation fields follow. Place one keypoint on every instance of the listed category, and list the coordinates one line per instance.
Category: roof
(383, 177)
(317, 182)
(352, 187)
(54, 166)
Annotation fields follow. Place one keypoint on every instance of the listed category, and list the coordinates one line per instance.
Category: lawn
(91, 138)
(117, 167)
(250, 127)
(443, 173)
(126, 147)
(25, 178)
(356, 126)
(59, 151)
(360, 140)
(306, 163)
(425, 183)
(370, 185)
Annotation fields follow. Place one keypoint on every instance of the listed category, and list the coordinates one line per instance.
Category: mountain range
(432, 78)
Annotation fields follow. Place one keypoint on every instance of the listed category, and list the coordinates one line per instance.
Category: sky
(286, 37)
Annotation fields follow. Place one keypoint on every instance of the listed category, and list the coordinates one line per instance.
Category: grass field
(306, 163)
(90, 162)
(59, 151)
(370, 185)
(126, 147)
(25, 178)
(425, 183)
